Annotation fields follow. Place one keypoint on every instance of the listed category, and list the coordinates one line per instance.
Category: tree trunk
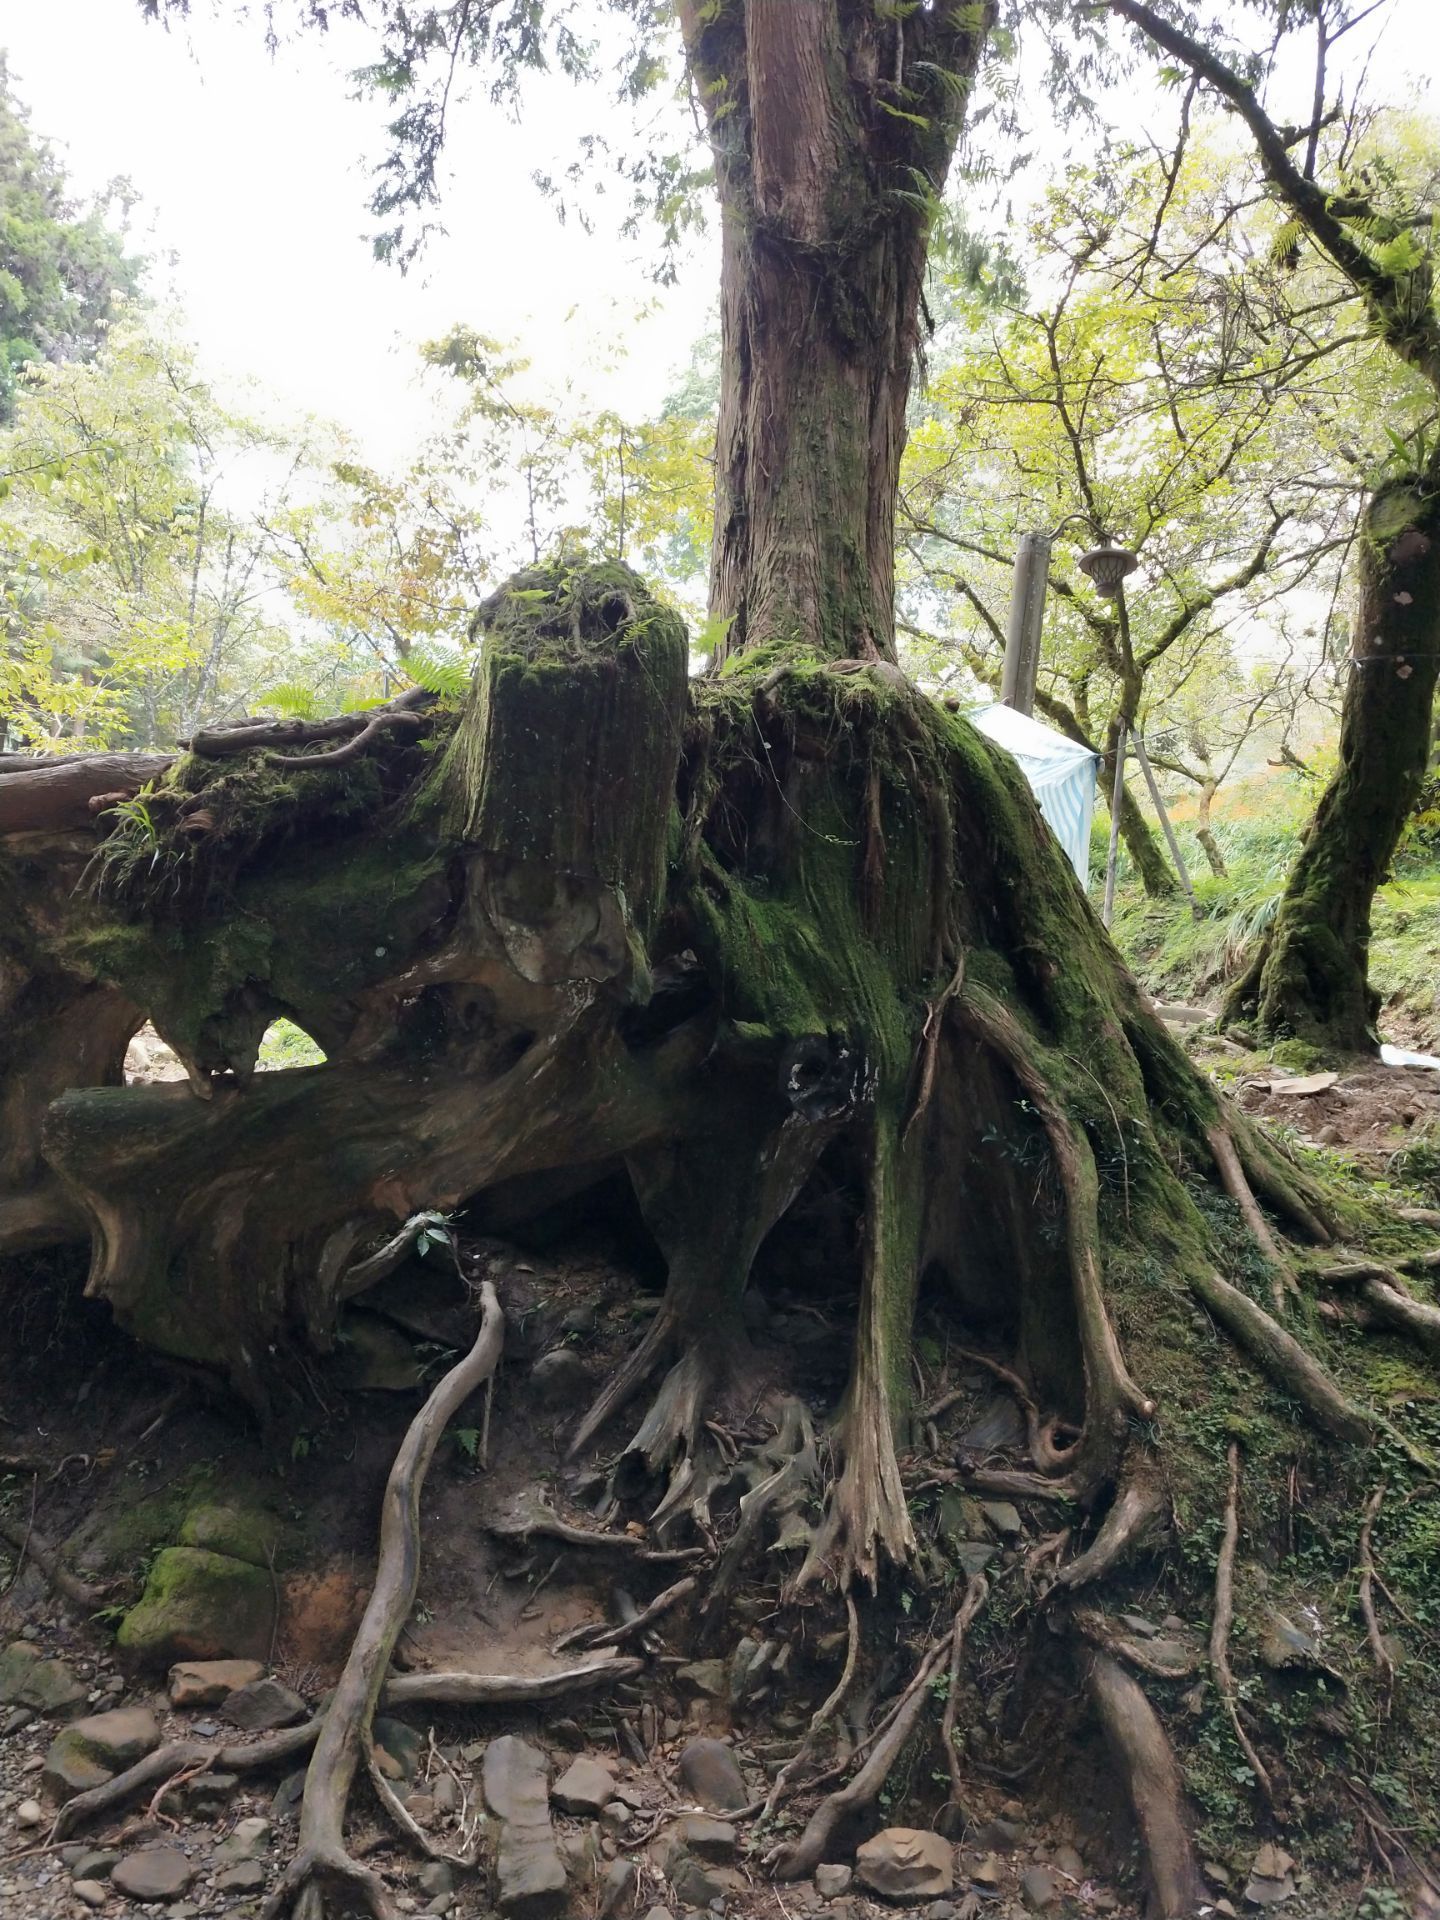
(1309, 979)
(1205, 833)
(832, 139)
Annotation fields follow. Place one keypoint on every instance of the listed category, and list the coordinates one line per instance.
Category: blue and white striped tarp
(1062, 776)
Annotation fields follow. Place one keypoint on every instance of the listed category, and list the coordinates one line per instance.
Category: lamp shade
(1107, 566)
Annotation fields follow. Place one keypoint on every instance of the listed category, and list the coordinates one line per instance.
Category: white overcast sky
(253, 173)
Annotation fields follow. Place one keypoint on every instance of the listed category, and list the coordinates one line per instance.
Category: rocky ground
(574, 1825)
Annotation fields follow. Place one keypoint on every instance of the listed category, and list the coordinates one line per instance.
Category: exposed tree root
(1147, 1765)
(1220, 1626)
(1282, 1357)
(822, 1715)
(1098, 1631)
(627, 1379)
(401, 1690)
(1040, 1429)
(321, 1861)
(1384, 1292)
(781, 1490)
(802, 1856)
(1133, 1515)
(29, 1544)
(1374, 1639)
(629, 1629)
(1232, 1178)
(1110, 1393)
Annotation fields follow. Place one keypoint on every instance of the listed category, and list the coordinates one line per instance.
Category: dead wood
(55, 798)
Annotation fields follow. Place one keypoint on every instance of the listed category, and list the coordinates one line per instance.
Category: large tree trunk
(1309, 978)
(833, 128)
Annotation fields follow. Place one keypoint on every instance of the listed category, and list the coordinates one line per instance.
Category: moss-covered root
(1111, 1395)
(867, 1517)
(1281, 1356)
(1148, 1768)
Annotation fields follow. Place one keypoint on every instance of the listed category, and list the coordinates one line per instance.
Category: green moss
(248, 1533)
(199, 1606)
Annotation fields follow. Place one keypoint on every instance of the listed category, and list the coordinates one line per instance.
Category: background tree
(1375, 228)
(63, 267)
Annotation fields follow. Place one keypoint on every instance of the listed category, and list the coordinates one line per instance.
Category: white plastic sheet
(1062, 776)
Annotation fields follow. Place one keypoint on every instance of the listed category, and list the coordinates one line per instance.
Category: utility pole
(1027, 620)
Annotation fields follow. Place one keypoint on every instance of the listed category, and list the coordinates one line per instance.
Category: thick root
(1147, 1765)
(1232, 1178)
(1134, 1514)
(322, 1863)
(1282, 1357)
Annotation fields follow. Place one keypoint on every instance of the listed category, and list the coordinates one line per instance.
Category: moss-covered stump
(791, 928)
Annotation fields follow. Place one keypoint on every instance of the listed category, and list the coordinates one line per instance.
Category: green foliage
(63, 269)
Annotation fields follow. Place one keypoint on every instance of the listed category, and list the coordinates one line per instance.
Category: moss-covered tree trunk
(1309, 977)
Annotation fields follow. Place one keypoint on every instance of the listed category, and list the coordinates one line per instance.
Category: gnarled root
(1147, 1765)
(1384, 1292)
(1134, 1513)
(793, 1467)
(32, 1545)
(322, 1863)
(802, 1856)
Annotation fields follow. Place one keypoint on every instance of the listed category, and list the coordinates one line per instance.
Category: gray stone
(832, 1881)
(398, 1749)
(1039, 1889)
(263, 1705)
(91, 1751)
(249, 1839)
(91, 1892)
(1271, 1877)
(692, 1882)
(710, 1773)
(558, 1376)
(445, 1793)
(705, 1837)
(210, 1793)
(16, 1720)
(529, 1871)
(1003, 1517)
(1286, 1645)
(994, 1836)
(945, 1909)
(617, 1890)
(247, 1877)
(974, 1555)
(584, 1788)
(659, 1913)
(434, 1878)
(206, 1683)
(29, 1813)
(906, 1863)
(709, 1679)
(94, 1863)
(154, 1873)
(989, 1873)
(289, 1794)
(45, 1686)
(1069, 1862)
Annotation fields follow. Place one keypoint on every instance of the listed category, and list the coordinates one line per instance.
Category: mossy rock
(243, 1533)
(199, 1605)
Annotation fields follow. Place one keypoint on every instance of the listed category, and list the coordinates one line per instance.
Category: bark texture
(1309, 978)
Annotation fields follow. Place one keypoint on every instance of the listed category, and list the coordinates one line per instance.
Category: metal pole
(1027, 621)
(1115, 793)
(1171, 841)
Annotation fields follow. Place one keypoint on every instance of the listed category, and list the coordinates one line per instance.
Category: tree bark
(1310, 978)
(832, 137)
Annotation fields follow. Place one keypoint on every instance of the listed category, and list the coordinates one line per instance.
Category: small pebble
(29, 1813)
(90, 1891)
